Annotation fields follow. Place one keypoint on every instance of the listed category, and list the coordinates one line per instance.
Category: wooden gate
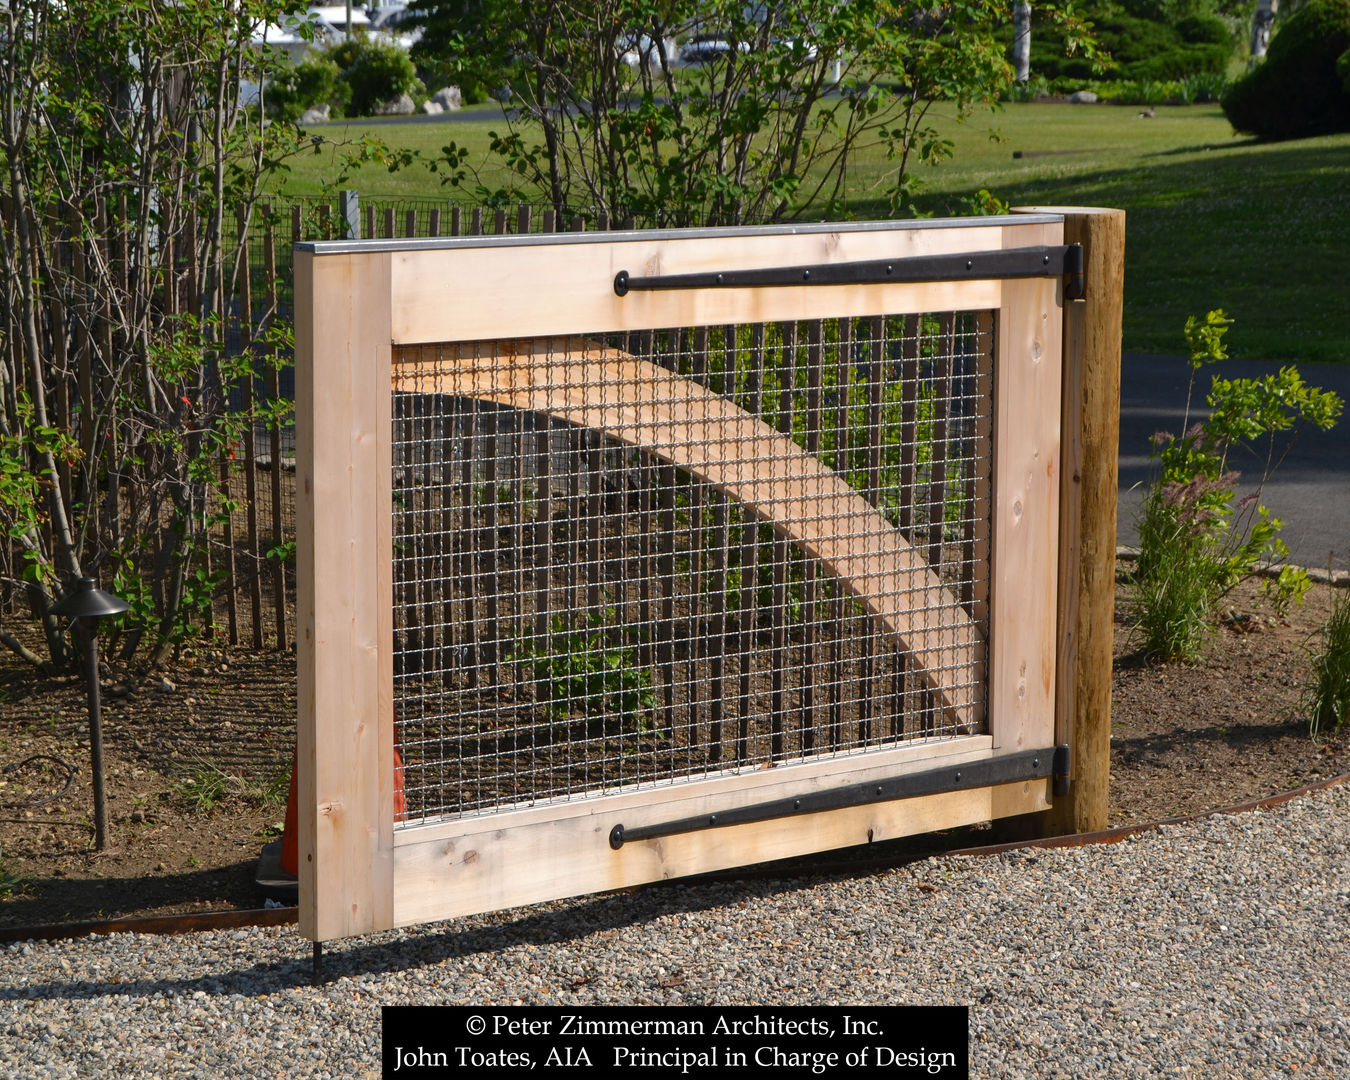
(635, 555)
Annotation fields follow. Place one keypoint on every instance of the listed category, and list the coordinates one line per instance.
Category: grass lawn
(1214, 220)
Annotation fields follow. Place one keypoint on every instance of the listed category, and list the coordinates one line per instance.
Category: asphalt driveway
(1310, 490)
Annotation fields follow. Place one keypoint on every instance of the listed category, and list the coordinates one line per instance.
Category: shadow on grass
(1248, 168)
(1210, 148)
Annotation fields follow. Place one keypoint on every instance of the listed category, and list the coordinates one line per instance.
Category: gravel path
(1215, 949)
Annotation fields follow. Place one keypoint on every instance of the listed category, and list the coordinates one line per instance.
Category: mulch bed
(196, 756)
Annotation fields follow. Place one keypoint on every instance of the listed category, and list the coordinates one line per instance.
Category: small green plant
(10, 884)
(1034, 87)
(589, 671)
(275, 791)
(1195, 542)
(983, 203)
(207, 786)
(1326, 698)
(210, 784)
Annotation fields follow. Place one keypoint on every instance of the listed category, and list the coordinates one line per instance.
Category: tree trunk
(1022, 40)
(1266, 10)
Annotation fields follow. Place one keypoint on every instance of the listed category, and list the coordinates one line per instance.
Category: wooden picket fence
(253, 544)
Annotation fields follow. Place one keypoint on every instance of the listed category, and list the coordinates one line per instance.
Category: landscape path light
(86, 604)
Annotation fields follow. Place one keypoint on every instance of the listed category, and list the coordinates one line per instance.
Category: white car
(394, 23)
(284, 38)
(327, 25)
(332, 21)
(639, 49)
(705, 48)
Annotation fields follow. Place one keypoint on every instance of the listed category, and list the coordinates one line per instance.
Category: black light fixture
(88, 601)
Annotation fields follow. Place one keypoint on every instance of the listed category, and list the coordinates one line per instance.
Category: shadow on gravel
(357, 957)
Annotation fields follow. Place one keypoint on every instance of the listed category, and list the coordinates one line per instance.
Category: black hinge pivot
(1063, 770)
(1004, 769)
(1075, 283)
(1044, 261)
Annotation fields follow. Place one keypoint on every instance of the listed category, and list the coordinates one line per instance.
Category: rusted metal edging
(263, 917)
(162, 924)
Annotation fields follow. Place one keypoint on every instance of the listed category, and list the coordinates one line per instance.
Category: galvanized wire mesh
(641, 558)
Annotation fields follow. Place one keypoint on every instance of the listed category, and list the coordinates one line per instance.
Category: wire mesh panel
(638, 558)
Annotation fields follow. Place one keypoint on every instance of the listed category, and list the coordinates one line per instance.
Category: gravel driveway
(1213, 949)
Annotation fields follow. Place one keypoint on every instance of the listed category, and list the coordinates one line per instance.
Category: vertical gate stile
(344, 594)
(1026, 508)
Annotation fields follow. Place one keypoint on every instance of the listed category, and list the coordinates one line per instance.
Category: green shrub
(1193, 89)
(1140, 49)
(1326, 698)
(1142, 92)
(1195, 542)
(355, 77)
(316, 81)
(1198, 89)
(1300, 90)
(1204, 30)
(1175, 12)
(436, 71)
(375, 73)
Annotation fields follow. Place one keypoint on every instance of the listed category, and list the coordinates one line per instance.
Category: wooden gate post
(1090, 450)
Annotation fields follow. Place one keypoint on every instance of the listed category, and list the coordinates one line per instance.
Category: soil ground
(196, 762)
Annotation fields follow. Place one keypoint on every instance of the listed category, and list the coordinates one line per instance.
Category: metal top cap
(88, 601)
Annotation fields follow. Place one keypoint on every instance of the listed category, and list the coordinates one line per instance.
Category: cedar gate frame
(355, 301)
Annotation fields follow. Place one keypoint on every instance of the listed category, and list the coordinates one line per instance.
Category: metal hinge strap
(1004, 769)
(1043, 261)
